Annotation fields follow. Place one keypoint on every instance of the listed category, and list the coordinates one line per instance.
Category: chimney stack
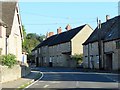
(68, 27)
(107, 17)
(50, 34)
(59, 30)
(99, 24)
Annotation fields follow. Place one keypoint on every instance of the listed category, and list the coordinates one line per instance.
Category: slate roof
(60, 38)
(48, 41)
(7, 14)
(2, 23)
(109, 31)
(45, 42)
(66, 36)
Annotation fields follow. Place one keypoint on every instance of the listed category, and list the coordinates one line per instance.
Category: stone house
(101, 50)
(57, 49)
(11, 17)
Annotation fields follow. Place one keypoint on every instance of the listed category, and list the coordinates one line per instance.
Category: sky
(43, 17)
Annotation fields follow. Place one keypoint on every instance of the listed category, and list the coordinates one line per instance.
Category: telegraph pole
(99, 43)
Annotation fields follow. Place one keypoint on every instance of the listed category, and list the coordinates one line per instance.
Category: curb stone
(34, 81)
(29, 83)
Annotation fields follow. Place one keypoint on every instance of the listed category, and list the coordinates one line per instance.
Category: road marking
(55, 82)
(110, 78)
(35, 81)
(46, 86)
(77, 84)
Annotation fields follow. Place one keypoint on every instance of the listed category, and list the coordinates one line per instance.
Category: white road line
(34, 82)
(46, 86)
(111, 78)
(77, 84)
(55, 82)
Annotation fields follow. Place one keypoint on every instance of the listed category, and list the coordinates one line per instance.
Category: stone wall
(10, 74)
(110, 47)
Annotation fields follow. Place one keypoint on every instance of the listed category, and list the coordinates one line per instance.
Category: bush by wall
(8, 60)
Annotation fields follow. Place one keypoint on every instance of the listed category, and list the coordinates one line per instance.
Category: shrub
(8, 60)
(78, 58)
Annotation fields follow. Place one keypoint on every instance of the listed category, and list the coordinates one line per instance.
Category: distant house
(10, 15)
(102, 48)
(57, 49)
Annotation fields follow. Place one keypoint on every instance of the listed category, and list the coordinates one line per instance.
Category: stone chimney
(107, 17)
(50, 34)
(68, 27)
(59, 30)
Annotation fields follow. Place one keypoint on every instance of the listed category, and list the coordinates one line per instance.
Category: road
(70, 79)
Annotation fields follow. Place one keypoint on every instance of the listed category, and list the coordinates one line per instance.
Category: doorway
(109, 61)
(37, 62)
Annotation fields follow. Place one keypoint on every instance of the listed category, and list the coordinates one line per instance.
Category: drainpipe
(99, 46)
(103, 56)
(6, 48)
(88, 56)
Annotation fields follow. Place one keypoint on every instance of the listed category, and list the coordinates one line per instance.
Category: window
(39, 50)
(50, 59)
(97, 59)
(91, 45)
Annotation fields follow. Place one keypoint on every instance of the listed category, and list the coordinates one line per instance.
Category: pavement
(21, 81)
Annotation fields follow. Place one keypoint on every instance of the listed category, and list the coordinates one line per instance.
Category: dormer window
(110, 35)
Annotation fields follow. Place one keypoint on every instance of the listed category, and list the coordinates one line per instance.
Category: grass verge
(27, 84)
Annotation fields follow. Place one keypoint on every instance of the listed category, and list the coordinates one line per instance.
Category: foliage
(78, 58)
(8, 60)
(31, 40)
(0, 50)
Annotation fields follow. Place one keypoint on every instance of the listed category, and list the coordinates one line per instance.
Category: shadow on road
(66, 74)
(72, 89)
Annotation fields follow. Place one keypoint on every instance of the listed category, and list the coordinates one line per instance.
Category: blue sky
(42, 17)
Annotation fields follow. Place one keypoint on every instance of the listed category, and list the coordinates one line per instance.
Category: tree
(78, 58)
(31, 40)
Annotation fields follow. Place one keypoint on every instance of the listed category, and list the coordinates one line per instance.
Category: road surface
(72, 79)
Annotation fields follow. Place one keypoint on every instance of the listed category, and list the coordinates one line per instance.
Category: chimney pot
(50, 34)
(59, 30)
(107, 17)
(68, 27)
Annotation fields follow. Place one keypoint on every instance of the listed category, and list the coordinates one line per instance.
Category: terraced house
(57, 49)
(11, 36)
(102, 48)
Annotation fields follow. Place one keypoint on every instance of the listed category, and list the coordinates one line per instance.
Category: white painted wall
(15, 40)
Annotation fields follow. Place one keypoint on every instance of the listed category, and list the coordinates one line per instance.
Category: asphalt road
(70, 79)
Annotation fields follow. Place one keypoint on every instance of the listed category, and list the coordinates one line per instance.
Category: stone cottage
(101, 50)
(57, 49)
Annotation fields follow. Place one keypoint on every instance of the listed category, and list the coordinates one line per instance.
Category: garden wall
(10, 74)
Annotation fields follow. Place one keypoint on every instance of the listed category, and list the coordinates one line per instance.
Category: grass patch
(27, 84)
(23, 86)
